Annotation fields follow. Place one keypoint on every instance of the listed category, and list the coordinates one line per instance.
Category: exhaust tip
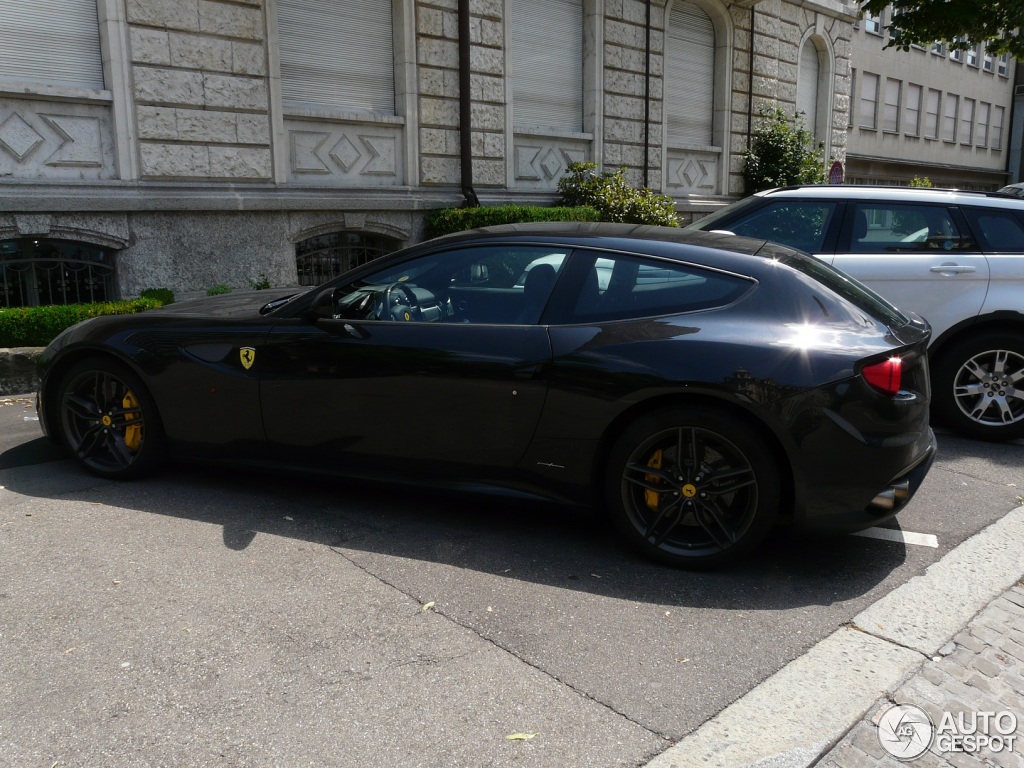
(897, 493)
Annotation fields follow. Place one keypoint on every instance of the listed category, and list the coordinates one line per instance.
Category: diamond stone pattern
(18, 138)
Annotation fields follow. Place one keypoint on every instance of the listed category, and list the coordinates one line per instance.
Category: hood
(235, 304)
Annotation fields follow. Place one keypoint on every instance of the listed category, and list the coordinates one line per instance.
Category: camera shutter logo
(905, 731)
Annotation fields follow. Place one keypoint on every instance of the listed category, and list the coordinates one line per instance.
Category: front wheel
(109, 420)
(692, 487)
(979, 386)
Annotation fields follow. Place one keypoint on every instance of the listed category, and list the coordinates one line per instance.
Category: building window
(869, 100)
(39, 272)
(912, 111)
(337, 55)
(967, 122)
(972, 56)
(891, 112)
(931, 115)
(997, 127)
(988, 62)
(853, 90)
(809, 83)
(56, 45)
(952, 103)
(957, 55)
(689, 77)
(939, 48)
(1004, 65)
(546, 63)
(324, 257)
(872, 23)
(981, 135)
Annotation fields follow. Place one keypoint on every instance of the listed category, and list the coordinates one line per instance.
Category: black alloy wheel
(692, 487)
(109, 420)
(979, 386)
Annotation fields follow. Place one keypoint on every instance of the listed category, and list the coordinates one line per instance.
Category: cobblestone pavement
(980, 671)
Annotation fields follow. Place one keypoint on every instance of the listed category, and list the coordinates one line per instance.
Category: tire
(978, 386)
(109, 419)
(699, 514)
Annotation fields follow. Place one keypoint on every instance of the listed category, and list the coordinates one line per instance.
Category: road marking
(905, 537)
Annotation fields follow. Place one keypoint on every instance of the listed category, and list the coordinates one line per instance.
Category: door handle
(955, 269)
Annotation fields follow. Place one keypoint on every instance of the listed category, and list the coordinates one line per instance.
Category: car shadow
(372, 524)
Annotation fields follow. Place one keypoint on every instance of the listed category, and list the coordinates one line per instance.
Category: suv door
(920, 257)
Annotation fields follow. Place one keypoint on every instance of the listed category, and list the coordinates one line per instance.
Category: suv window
(999, 231)
(900, 227)
(798, 224)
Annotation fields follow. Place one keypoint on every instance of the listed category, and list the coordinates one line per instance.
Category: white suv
(956, 258)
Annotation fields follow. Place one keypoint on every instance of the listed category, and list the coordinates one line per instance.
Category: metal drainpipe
(647, 94)
(465, 109)
(750, 82)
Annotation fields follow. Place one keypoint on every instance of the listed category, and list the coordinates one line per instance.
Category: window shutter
(338, 55)
(690, 77)
(54, 42)
(547, 64)
(807, 88)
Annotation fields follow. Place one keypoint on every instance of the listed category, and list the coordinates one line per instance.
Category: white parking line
(906, 537)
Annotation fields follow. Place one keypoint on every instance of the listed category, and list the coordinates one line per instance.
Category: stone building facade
(191, 143)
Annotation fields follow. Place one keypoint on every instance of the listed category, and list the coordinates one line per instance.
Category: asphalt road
(226, 618)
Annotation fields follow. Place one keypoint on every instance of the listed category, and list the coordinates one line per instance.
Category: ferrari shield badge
(248, 357)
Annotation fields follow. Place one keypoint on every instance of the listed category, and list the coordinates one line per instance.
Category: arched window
(807, 85)
(324, 257)
(39, 272)
(690, 77)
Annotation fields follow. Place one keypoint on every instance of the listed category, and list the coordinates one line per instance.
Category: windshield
(706, 223)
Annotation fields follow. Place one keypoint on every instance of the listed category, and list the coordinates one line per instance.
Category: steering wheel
(412, 307)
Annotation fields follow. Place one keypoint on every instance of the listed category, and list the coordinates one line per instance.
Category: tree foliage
(961, 24)
(782, 152)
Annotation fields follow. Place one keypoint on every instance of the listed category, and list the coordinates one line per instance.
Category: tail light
(884, 376)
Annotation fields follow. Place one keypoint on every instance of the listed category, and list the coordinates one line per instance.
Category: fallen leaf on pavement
(427, 606)
(520, 736)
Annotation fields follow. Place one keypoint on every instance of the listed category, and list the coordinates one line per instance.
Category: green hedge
(449, 220)
(37, 326)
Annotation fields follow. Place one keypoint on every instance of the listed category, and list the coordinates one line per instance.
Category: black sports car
(698, 387)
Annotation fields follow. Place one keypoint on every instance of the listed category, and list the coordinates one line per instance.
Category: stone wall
(200, 89)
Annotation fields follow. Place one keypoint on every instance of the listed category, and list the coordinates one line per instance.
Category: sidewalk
(980, 670)
(948, 641)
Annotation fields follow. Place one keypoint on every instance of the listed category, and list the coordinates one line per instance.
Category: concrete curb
(18, 370)
(797, 714)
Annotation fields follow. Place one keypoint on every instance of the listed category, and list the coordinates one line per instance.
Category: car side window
(504, 284)
(905, 228)
(621, 287)
(798, 224)
(999, 231)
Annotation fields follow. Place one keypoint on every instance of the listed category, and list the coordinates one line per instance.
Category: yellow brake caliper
(132, 432)
(651, 497)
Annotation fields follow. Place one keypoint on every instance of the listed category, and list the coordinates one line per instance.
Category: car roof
(891, 193)
(610, 235)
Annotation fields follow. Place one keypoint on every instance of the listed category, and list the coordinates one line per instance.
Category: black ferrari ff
(698, 388)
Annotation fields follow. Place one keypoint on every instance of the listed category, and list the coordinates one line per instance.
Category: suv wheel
(979, 386)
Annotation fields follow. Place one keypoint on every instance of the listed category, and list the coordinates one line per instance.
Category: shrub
(449, 220)
(614, 199)
(782, 152)
(162, 295)
(38, 326)
(262, 284)
(917, 181)
(218, 290)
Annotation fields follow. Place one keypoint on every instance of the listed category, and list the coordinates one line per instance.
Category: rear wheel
(692, 486)
(109, 420)
(979, 386)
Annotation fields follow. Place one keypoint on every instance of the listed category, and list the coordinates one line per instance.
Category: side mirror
(324, 305)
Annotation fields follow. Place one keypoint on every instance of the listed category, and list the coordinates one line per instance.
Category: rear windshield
(853, 291)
